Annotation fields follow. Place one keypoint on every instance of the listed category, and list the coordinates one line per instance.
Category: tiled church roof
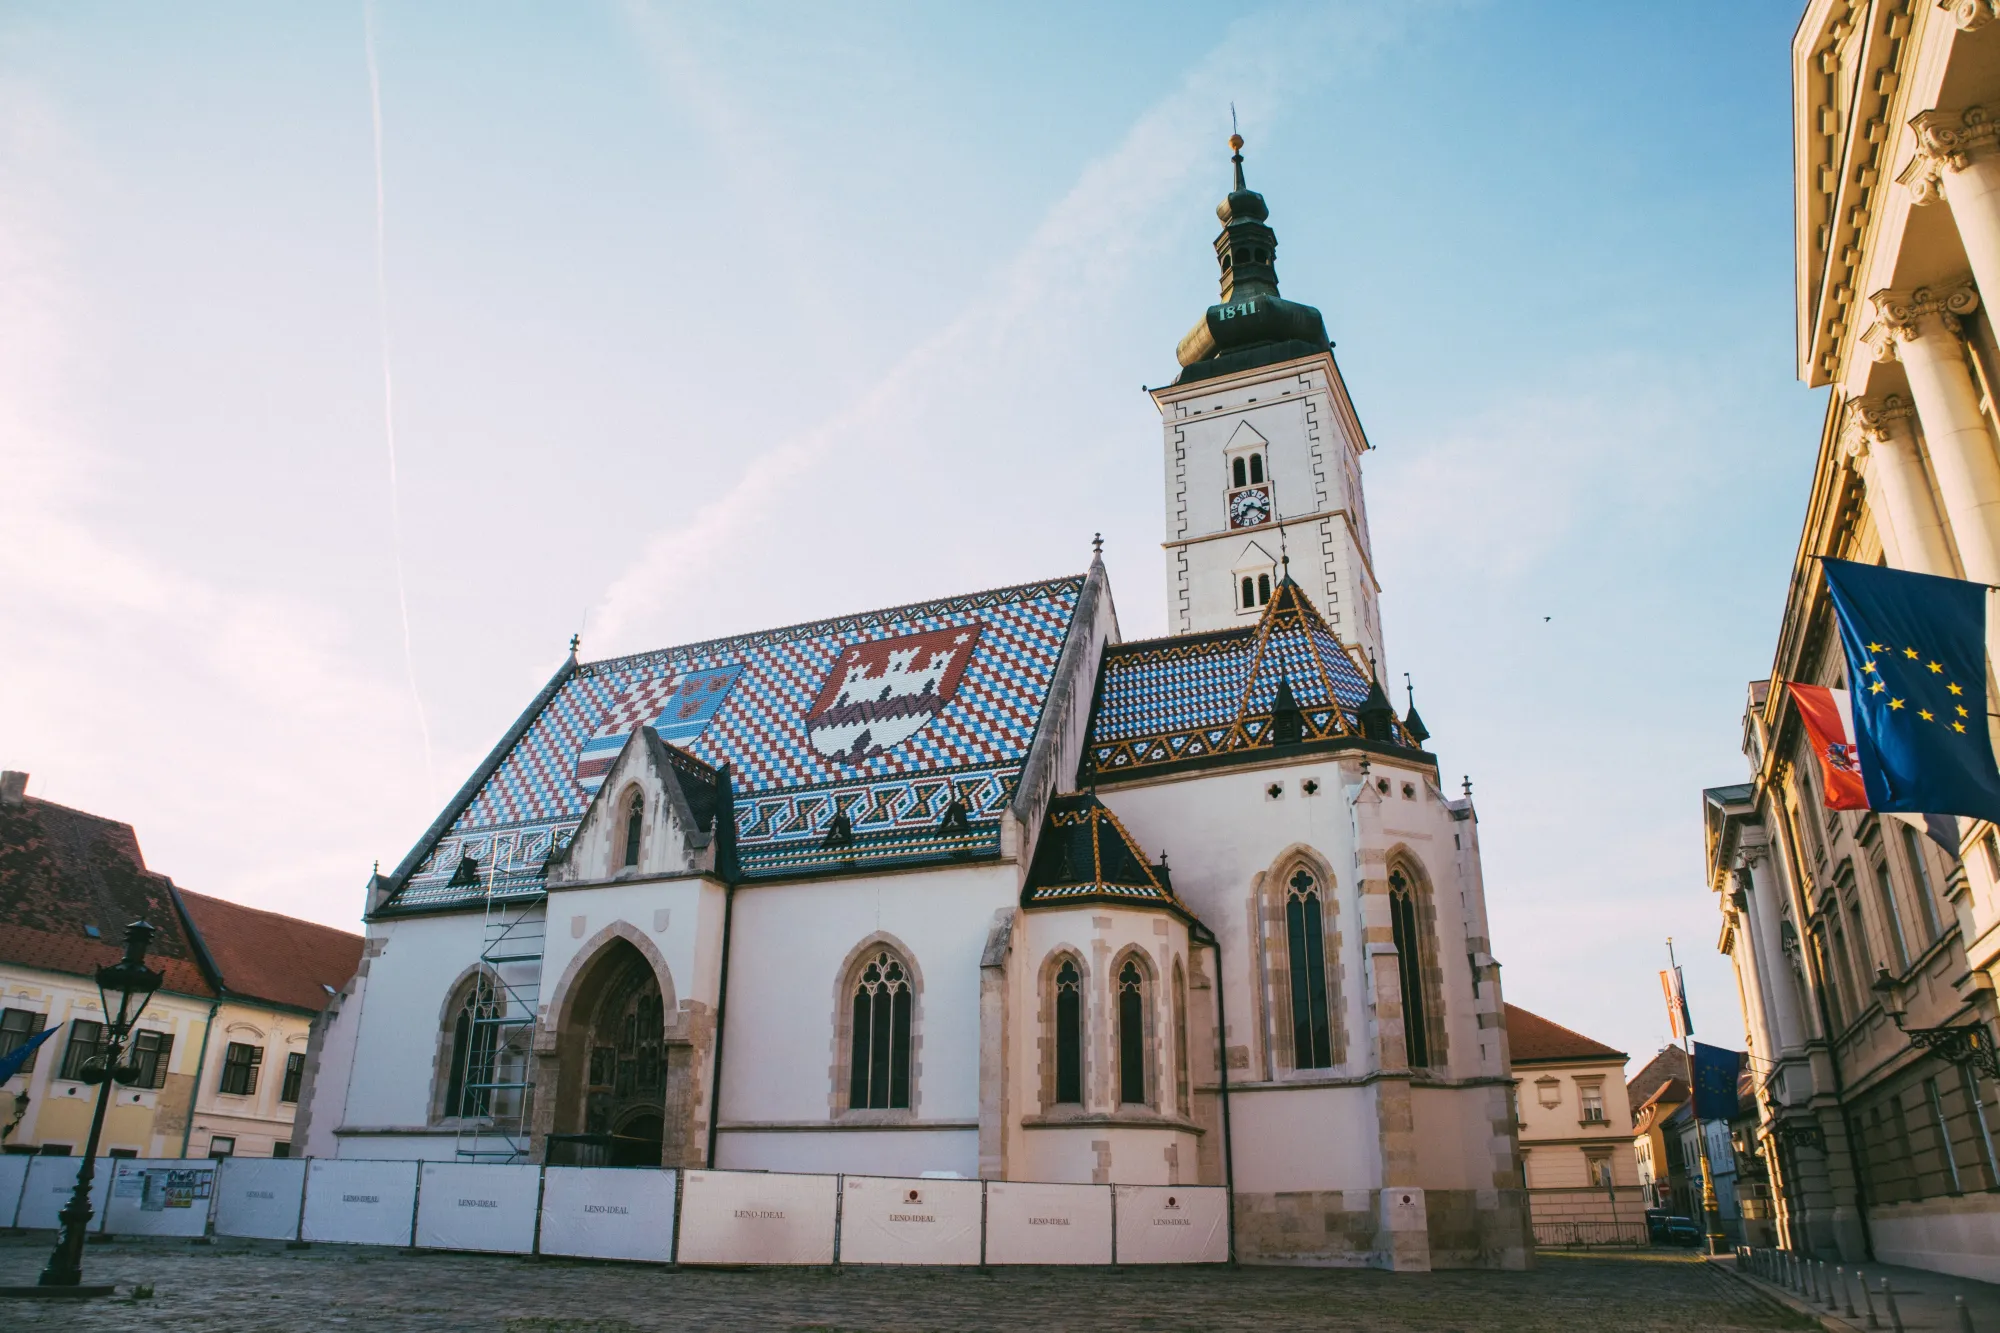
(1085, 855)
(889, 718)
(1191, 699)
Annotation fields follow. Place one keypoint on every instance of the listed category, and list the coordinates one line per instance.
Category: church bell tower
(1263, 451)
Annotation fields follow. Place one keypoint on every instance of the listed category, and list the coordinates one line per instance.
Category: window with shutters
(86, 1042)
(150, 1054)
(240, 1063)
(295, 1074)
(18, 1027)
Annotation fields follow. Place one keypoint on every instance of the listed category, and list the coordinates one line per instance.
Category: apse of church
(979, 887)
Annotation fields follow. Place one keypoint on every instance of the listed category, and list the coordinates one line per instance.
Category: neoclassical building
(1878, 1144)
(978, 886)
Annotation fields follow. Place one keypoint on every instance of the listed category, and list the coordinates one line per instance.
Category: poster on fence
(258, 1198)
(50, 1182)
(13, 1175)
(884, 1220)
(160, 1197)
(756, 1217)
(359, 1203)
(1047, 1224)
(474, 1206)
(1173, 1224)
(603, 1212)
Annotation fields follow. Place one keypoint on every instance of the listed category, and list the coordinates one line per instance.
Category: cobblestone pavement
(246, 1286)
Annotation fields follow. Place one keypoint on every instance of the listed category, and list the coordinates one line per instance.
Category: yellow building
(1576, 1134)
(221, 1047)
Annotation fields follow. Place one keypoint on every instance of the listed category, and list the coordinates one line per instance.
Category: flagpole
(1711, 1210)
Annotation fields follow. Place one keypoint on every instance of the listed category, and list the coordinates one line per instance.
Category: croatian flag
(1828, 715)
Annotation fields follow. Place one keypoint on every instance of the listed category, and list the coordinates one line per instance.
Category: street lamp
(1962, 1044)
(133, 983)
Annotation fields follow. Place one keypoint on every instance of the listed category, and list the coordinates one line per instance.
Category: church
(980, 888)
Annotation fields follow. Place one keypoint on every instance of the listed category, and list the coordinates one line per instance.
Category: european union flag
(1715, 1074)
(1916, 671)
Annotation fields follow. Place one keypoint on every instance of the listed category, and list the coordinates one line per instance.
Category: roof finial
(1468, 786)
(574, 641)
(1236, 147)
(1097, 544)
(1409, 690)
(1373, 674)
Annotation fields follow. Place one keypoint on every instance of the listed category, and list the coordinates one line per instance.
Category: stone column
(1921, 328)
(1749, 974)
(1956, 161)
(1899, 491)
(1781, 1010)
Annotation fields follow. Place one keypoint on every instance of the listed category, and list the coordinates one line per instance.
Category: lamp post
(132, 983)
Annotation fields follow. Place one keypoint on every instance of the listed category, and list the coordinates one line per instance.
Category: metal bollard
(1825, 1285)
(1964, 1315)
(1889, 1299)
(1867, 1300)
(1847, 1290)
(1798, 1275)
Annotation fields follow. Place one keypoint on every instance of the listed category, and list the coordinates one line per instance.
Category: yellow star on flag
(1895, 703)
(1954, 689)
(1876, 688)
(1962, 712)
(1874, 647)
(1925, 714)
(1868, 669)
(1958, 726)
(1935, 669)
(1910, 653)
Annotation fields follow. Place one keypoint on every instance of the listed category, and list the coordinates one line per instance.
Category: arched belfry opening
(618, 1072)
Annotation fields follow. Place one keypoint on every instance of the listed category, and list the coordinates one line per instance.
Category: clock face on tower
(1248, 508)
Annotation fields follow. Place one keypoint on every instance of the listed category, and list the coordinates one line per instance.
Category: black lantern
(130, 983)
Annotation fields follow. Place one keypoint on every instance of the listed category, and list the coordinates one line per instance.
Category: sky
(353, 357)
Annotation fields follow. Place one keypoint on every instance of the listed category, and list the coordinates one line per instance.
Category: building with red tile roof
(1576, 1133)
(222, 1044)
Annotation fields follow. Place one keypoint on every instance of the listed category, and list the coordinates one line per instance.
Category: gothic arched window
(475, 1034)
(1409, 913)
(635, 824)
(1312, 1034)
(1183, 1102)
(1256, 469)
(1069, 1033)
(879, 1066)
(1131, 1033)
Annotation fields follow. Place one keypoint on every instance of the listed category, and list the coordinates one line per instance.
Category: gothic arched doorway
(614, 1062)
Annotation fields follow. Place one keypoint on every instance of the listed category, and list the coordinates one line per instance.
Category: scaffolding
(496, 1112)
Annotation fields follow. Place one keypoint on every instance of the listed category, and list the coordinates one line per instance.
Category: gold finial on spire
(1235, 143)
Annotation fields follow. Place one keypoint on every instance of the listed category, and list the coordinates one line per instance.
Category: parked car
(1664, 1228)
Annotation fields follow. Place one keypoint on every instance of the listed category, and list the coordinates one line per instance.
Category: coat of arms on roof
(880, 694)
(678, 707)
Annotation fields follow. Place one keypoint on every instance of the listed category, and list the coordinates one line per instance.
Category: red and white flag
(1829, 719)
(1677, 1005)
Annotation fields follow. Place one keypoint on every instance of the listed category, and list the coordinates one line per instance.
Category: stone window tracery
(1413, 922)
(879, 1066)
(1069, 1033)
(474, 1047)
(1131, 993)
(1305, 936)
(635, 824)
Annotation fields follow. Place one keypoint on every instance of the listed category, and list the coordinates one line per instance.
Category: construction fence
(638, 1214)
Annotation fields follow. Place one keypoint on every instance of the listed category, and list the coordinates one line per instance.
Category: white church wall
(790, 948)
(883, 1152)
(1109, 1155)
(1307, 1138)
(682, 918)
(1223, 828)
(396, 1047)
(1456, 1140)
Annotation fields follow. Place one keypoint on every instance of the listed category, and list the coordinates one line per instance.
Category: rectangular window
(221, 1146)
(1833, 997)
(1949, 1157)
(17, 1028)
(86, 1042)
(1981, 1130)
(1599, 1168)
(122, 1152)
(295, 1073)
(1898, 943)
(1920, 874)
(1992, 846)
(151, 1052)
(1592, 1095)
(239, 1068)
(281, 1149)
(57, 1149)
